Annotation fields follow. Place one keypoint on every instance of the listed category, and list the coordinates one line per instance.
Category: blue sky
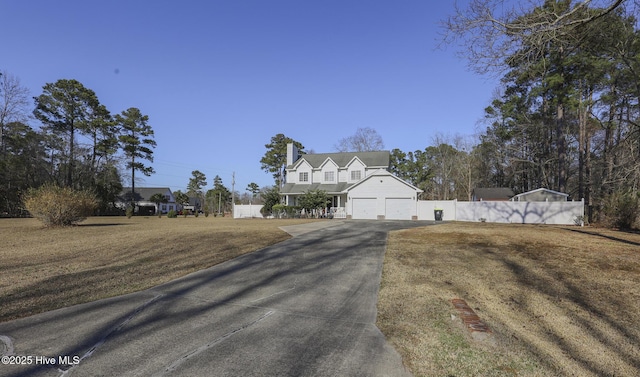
(218, 79)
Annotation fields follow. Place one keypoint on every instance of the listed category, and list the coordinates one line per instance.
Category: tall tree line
(79, 144)
(567, 117)
(568, 110)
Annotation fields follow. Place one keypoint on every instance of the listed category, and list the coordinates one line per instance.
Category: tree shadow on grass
(100, 225)
(601, 325)
(606, 236)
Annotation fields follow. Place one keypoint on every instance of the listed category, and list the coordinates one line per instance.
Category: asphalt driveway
(303, 307)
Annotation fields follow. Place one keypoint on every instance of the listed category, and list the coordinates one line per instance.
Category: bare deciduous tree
(364, 140)
(14, 101)
(493, 32)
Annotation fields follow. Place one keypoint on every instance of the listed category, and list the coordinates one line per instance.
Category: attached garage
(382, 195)
(364, 208)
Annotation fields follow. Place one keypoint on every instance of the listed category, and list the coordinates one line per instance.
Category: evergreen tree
(66, 108)
(136, 141)
(195, 185)
(275, 158)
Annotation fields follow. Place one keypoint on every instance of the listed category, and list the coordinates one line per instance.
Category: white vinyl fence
(243, 211)
(561, 213)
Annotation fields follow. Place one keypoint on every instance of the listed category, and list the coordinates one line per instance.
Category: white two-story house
(358, 183)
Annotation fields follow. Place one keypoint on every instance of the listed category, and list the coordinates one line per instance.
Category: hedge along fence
(560, 213)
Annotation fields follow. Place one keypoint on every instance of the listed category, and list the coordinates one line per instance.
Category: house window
(329, 176)
(303, 177)
(356, 175)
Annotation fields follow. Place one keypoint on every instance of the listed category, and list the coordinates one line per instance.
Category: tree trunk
(607, 153)
(69, 181)
(561, 144)
(133, 183)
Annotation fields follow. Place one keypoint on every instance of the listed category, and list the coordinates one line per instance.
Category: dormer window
(329, 176)
(303, 177)
(356, 175)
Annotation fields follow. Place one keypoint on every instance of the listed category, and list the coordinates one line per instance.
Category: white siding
(328, 167)
(355, 165)
(317, 176)
(303, 168)
(342, 175)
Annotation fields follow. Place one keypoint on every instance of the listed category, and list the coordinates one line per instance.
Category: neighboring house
(496, 194)
(357, 183)
(194, 205)
(142, 196)
(541, 195)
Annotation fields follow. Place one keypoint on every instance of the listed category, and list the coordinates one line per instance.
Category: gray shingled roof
(495, 193)
(370, 159)
(297, 188)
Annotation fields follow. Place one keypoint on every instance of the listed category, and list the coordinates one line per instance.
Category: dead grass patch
(44, 269)
(559, 300)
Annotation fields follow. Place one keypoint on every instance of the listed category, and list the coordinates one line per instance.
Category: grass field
(44, 269)
(559, 301)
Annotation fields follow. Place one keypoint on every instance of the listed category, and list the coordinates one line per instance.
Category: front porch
(335, 209)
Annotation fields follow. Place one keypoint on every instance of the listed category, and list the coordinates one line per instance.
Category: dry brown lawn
(43, 269)
(560, 301)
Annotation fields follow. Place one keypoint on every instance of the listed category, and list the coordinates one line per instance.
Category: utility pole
(233, 198)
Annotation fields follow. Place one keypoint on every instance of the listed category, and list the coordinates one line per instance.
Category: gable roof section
(540, 190)
(371, 159)
(300, 162)
(328, 161)
(382, 173)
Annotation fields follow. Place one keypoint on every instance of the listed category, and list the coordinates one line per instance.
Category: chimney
(292, 154)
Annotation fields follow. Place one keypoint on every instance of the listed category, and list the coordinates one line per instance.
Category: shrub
(172, 214)
(284, 211)
(129, 212)
(59, 206)
(278, 210)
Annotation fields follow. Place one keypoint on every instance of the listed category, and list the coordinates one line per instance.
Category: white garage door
(364, 208)
(399, 208)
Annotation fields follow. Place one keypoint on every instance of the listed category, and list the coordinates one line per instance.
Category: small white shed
(382, 196)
